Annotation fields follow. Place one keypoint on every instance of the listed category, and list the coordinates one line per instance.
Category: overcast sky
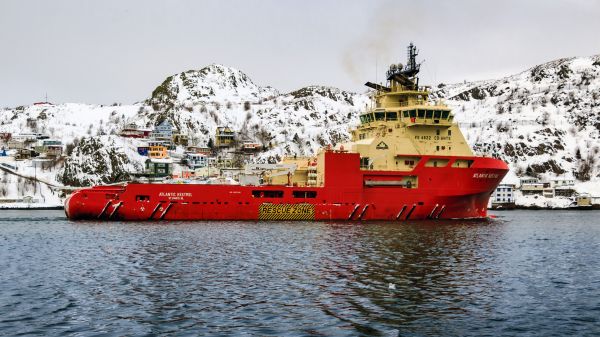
(119, 51)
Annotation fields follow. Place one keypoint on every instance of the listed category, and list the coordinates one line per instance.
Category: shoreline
(539, 208)
(35, 208)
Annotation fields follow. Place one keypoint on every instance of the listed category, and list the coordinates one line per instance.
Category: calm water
(525, 273)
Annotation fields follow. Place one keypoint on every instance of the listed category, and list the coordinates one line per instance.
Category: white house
(195, 160)
(559, 182)
(504, 194)
(528, 180)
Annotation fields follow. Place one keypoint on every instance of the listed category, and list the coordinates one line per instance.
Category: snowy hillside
(299, 122)
(544, 121)
(214, 83)
(100, 160)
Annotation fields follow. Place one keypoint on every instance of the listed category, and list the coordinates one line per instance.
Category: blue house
(143, 150)
(163, 131)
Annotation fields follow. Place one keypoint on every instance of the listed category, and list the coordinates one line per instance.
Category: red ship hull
(349, 193)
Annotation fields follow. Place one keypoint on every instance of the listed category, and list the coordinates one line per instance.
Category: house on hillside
(14, 144)
(5, 137)
(249, 146)
(180, 139)
(143, 150)
(199, 149)
(163, 131)
(195, 160)
(54, 151)
(25, 154)
(26, 138)
(156, 168)
(528, 180)
(583, 200)
(131, 130)
(533, 188)
(158, 152)
(564, 191)
(51, 147)
(561, 182)
(224, 136)
(503, 196)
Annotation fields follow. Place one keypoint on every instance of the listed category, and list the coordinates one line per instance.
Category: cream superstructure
(401, 126)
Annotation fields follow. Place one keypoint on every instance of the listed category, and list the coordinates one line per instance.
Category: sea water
(533, 273)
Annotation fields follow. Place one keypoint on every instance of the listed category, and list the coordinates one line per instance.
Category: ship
(407, 159)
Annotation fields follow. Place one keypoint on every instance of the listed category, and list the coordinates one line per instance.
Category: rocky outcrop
(98, 160)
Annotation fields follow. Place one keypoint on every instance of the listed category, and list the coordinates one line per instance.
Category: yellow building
(158, 152)
(224, 137)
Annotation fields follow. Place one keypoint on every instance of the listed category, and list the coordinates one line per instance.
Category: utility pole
(34, 177)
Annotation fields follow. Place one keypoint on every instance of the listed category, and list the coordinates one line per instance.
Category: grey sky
(119, 51)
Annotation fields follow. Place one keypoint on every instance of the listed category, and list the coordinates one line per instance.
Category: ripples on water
(533, 273)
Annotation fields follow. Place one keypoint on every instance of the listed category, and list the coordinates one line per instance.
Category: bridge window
(445, 114)
(304, 194)
(460, 163)
(421, 114)
(438, 162)
(392, 116)
(267, 194)
(364, 163)
(380, 116)
(405, 114)
(428, 113)
(413, 113)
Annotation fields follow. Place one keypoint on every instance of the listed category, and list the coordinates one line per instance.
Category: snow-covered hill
(544, 121)
(214, 83)
(299, 122)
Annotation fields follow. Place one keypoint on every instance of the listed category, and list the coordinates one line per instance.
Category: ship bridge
(403, 125)
(419, 115)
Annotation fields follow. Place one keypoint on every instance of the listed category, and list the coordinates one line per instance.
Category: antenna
(376, 68)
(412, 67)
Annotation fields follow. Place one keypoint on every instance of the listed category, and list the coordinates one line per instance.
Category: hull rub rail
(353, 211)
(104, 209)
(410, 212)
(154, 211)
(165, 211)
(115, 209)
(433, 211)
(440, 212)
(363, 212)
(400, 213)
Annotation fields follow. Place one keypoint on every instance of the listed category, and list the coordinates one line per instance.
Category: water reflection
(524, 273)
(435, 268)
